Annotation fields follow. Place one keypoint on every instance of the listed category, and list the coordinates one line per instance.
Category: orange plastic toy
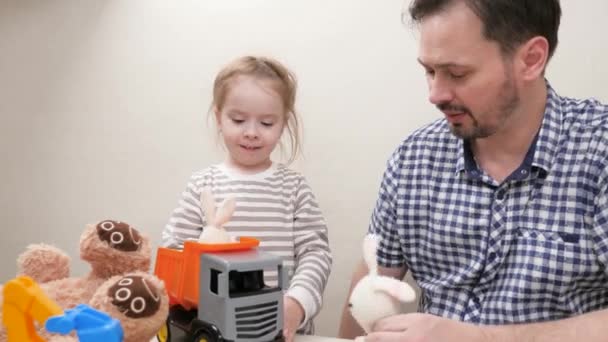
(24, 303)
(180, 269)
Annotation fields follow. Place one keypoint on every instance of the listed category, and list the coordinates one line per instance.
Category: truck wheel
(164, 334)
(205, 336)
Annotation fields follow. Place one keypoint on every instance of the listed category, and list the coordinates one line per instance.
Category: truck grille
(256, 321)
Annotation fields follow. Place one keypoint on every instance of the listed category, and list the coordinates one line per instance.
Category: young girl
(253, 104)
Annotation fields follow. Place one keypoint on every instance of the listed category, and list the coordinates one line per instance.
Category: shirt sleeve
(384, 216)
(600, 223)
(186, 221)
(313, 258)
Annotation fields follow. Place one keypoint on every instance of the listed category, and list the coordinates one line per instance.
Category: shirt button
(500, 195)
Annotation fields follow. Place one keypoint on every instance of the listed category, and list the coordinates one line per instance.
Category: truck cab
(234, 303)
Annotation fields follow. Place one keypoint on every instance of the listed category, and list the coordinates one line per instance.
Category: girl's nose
(251, 131)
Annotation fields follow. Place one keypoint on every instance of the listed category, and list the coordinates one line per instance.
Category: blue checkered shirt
(532, 248)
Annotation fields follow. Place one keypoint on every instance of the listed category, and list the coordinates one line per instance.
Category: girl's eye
(268, 124)
(237, 121)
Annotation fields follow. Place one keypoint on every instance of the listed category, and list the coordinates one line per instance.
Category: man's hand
(293, 315)
(424, 327)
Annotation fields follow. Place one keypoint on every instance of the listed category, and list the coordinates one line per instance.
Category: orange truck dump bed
(179, 269)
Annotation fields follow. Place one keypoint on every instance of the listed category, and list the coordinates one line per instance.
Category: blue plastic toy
(91, 325)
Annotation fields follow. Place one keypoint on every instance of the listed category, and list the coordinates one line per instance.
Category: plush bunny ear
(395, 288)
(370, 243)
(208, 205)
(225, 211)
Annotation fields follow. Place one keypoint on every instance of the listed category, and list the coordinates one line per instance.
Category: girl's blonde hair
(268, 69)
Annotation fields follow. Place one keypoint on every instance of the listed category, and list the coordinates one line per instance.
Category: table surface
(303, 338)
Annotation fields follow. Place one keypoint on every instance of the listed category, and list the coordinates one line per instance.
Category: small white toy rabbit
(214, 232)
(375, 296)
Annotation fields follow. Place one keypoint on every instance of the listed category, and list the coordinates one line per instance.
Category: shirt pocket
(551, 261)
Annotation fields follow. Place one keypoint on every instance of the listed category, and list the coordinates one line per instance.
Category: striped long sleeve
(312, 253)
(278, 208)
(186, 221)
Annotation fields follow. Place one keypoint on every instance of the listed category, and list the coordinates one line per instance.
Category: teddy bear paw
(138, 300)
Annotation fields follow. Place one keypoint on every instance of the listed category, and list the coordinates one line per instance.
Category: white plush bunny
(214, 232)
(375, 296)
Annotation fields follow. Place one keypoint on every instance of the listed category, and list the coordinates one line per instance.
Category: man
(499, 210)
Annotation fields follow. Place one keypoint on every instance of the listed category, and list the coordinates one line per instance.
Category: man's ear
(531, 58)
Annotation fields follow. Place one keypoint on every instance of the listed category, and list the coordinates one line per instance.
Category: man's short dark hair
(508, 22)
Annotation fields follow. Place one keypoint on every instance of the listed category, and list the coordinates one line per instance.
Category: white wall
(103, 106)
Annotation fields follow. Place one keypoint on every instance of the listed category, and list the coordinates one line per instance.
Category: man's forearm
(591, 327)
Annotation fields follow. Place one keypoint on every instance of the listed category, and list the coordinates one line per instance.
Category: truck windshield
(247, 283)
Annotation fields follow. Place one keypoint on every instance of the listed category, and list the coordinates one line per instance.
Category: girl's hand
(293, 314)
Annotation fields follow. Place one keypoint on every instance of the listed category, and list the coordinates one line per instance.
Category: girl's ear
(218, 116)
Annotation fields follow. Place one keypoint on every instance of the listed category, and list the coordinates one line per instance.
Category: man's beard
(509, 100)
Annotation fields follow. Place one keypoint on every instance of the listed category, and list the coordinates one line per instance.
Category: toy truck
(217, 293)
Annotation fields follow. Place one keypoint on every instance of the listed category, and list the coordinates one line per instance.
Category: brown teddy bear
(118, 283)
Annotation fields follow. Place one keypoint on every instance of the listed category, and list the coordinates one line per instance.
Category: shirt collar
(550, 131)
(543, 149)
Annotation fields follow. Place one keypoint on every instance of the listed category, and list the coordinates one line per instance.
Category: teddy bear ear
(225, 211)
(370, 244)
(208, 204)
(395, 288)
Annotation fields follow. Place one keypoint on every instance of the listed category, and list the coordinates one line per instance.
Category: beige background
(102, 106)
